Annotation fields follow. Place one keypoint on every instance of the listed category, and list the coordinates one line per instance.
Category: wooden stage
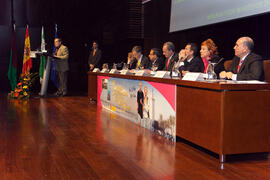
(68, 138)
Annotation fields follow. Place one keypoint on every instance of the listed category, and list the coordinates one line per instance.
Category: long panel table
(223, 117)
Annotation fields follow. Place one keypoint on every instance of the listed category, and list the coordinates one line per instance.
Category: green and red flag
(12, 70)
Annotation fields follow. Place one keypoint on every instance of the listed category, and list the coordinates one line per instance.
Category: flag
(27, 61)
(42, 58)
(12, 70)
(53, 71)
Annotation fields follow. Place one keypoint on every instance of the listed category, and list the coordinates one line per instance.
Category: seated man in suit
(156, 59)
(170, 55)
(131, 62)
(246, 65)
(189, 61)
(142, 61)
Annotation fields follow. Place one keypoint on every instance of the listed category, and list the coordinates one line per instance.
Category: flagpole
(12, 69)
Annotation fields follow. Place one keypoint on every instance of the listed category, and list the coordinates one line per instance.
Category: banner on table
(149, 104)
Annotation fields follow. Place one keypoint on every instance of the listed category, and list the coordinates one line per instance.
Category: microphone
(221, 59)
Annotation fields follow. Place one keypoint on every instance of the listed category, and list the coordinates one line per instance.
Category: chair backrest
(266, 66)
(227, 64)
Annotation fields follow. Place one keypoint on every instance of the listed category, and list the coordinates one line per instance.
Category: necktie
(94, 52)
(168, 62)
(239, 65)
(138, 64)
(56, 51)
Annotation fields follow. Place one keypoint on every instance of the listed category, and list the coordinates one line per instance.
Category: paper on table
(251, 82)
(245, 82)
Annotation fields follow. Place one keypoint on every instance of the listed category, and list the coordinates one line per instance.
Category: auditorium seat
(227, 64)
(266, 66)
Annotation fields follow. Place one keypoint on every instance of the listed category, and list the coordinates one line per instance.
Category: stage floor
(69, 138)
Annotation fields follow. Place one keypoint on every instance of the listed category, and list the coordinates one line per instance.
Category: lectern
(46, 75)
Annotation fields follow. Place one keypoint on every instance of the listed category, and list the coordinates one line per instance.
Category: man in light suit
(246, 65)
(61, 66)
(94, 57)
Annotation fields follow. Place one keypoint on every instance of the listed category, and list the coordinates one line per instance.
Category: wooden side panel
(246, 122)
(92, 86)
(199, 117)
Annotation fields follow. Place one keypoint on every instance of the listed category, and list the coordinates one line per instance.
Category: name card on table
(96, 70)
(162, 74)
(104, 70)
(125, 72)
(141, 73)
(192, 76)
(113, 71)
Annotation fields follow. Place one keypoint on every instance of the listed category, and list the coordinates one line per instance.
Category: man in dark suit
(95, 56)
(131, 62)
(170, 55)
(156, 59)
(142, 61)
(246, 65)
(61, 66)
(189, 61)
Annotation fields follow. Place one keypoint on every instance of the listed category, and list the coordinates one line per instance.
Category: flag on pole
(12, 70)
(42, 58)
(27, 61)
(53, 71)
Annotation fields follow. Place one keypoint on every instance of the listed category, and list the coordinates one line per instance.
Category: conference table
(225, 117)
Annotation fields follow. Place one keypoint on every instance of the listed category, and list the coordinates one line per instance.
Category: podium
(46, 75)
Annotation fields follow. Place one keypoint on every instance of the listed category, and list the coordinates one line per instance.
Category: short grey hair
(170, 46)
(137, 49)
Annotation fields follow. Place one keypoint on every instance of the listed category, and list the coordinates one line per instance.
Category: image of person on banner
(140, 100)
(146, 108)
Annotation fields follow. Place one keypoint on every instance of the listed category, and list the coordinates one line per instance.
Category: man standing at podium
(61, 66)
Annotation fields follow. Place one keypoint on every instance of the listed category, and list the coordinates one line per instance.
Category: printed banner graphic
(148, 104)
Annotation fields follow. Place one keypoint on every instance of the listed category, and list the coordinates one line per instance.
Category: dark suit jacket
(95, 59)
(251, 68)
(133, 64)
(195, 65)
(61, 64)
(171, 64)
(144, 63)
(159, 63)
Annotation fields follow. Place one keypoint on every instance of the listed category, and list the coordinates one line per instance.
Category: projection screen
(186, 14)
